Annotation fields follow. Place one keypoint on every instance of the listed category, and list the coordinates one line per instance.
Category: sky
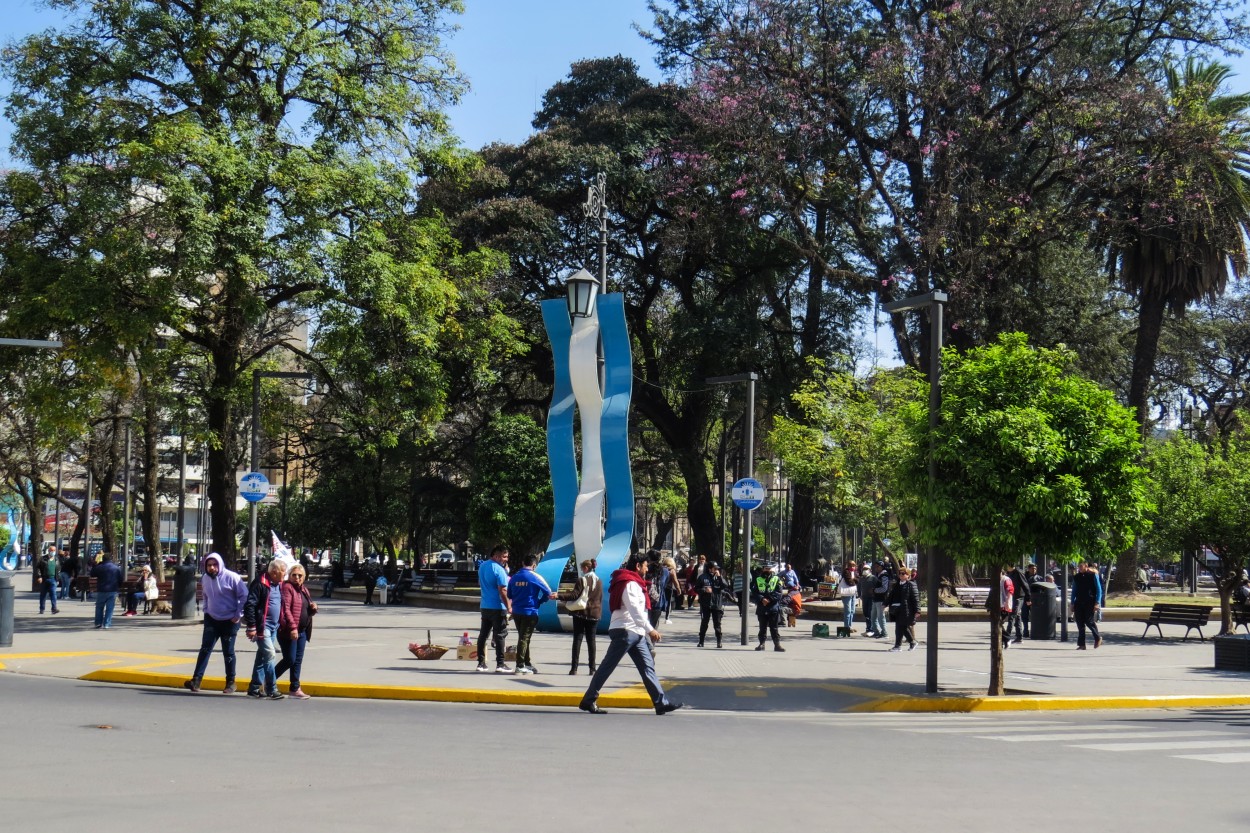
(511, 51)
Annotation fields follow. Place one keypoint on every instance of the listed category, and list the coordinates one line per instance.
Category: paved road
(176, 762)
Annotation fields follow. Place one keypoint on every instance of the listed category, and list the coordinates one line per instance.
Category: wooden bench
(1241, 616)
(973, 597)
(1193, 617)
(443, 584)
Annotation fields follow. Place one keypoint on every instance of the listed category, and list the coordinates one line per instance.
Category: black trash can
(1044, 613)
(183, 602)
(6, 611)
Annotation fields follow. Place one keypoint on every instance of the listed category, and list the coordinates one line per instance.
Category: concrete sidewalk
(360, 651)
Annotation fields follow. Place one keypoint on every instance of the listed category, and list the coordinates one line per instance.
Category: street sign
(748, 493)
(253, 486)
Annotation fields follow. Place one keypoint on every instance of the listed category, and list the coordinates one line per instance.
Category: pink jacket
(293, 601)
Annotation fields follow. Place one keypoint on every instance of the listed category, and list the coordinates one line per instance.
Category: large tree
(1030, 459)
(228, 151)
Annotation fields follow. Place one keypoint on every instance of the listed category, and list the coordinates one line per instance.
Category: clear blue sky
(511, 51)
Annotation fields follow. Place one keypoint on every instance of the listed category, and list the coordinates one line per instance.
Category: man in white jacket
(631, 633)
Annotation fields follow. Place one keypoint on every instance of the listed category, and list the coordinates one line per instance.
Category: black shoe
(759, 647)
(275, 695)
(718, 645)
(1016, 641)
(779, 648)
(700, 645)
(191, 685)
(573, 670)
(256, 693)
(665, 708)
(592, 670)
(591, 708)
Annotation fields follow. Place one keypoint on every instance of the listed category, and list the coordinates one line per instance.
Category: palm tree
(1184, 217)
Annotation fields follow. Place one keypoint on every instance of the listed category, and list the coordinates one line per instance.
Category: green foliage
(511, 486)
(1030, 457)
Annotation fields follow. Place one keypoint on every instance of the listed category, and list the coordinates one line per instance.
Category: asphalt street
(121, 758)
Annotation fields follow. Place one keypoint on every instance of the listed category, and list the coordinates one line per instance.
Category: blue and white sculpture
(582, 527)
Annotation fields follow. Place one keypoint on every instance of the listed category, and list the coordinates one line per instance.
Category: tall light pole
(257, 375)
(933, 301)
(596, 208)
(748, 463)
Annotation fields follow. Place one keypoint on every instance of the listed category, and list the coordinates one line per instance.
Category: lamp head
(583, 288)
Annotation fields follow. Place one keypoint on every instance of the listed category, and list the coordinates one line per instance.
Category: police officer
(766, 593)
(712, 591)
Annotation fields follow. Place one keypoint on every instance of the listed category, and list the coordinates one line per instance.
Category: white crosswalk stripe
(1221, 758)
(1165, 745)
(1110, 735)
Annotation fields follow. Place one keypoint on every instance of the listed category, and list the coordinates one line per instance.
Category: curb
(620, 700)
(1024, 704)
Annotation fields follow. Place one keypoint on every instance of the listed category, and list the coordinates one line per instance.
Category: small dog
(159, 606)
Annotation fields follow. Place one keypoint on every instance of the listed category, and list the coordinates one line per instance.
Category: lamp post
(257, 375)
(933, 301)
(596, 208)
(750, 379)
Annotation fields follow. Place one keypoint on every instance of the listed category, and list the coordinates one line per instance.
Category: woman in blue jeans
(848, 590)
(294, 627)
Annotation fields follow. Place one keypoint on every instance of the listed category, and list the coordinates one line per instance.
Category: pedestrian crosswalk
(1212, 739)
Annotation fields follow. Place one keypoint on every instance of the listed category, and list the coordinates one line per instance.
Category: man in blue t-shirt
(528, 592)
(496, 607)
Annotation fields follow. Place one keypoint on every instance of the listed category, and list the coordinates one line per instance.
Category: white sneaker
(911, 647)
(502, 669)
(895, 649)
(521, 669)
(482, 668)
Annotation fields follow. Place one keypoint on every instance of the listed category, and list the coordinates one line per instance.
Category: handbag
(579, 604)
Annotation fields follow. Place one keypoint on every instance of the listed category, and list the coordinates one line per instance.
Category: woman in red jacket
(294, 627)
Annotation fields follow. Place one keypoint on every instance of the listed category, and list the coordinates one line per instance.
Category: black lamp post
(582, 288)
(933, 301)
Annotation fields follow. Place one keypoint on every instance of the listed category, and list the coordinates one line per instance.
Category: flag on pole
(281, 552)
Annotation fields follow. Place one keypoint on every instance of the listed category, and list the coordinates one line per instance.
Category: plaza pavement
(362, 651)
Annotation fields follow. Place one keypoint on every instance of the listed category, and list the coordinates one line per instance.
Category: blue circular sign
(254, 487)
(748, 493)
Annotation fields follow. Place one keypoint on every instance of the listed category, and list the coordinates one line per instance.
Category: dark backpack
(655, 588)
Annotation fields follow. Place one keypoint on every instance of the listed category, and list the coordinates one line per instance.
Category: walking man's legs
(617, 648)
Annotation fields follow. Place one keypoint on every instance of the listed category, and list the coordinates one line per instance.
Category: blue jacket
(108, 577)
(528, 592)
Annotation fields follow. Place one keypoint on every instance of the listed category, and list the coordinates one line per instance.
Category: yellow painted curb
(1007, 704)
(620, 700)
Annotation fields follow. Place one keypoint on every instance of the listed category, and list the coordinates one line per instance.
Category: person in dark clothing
(1031, 577)
(108, 580)
(1086, 600)
(712, 590)
(1021, 600)
(370, 572)
(48, 574)
(70, 566)
(766, 593)
(587, 596)
(904, 606)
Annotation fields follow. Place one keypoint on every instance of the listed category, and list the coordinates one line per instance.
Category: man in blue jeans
(261, 615)
(224, 597)
(108, 580)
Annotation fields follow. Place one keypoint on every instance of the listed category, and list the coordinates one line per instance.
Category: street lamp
(596, 208)
(933, 301)
(257, 375)
(582, 288)
(745, 570)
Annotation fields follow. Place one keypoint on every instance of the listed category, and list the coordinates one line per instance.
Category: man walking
(1021, 600)
(881, 586)
(631, 633)
(527, 591)
(108, 580)
(766, 593)
(49, 573)
(225, 596)
(1086, 599)
(261, 614)
(492, 578)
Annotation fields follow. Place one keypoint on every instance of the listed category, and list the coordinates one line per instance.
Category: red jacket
(294, 599)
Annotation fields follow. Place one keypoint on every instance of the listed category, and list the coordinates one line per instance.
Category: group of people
(276, 612)
(56, 574)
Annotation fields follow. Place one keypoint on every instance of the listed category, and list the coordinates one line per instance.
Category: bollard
(6, 611)
(183, 602)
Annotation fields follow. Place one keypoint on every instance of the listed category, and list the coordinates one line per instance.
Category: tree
(1202, 495)
(1179, 220)
(511, 487)
(1030, 459)
(211, 165)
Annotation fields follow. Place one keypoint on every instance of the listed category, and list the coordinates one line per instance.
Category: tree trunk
(802, 512)
(997, 655)
(222, 457)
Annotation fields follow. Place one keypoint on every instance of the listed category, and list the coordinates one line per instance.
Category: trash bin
(6, 611)
(1044, 613)
(383, 591)
(183, 602)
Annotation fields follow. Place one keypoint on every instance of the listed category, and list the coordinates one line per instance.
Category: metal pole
(251, 505)
(750, 470)
(56, 509)
(182, 493)
(935, 404)
(1063, 604)
(286, 450)
(87, 525)
(126, 507)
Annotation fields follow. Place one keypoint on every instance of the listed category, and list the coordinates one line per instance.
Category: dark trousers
(1024, 617)
(904, 629)
(706, 614)
(639, 649)
(132, 603)
(584, 628)
(768, 622)
(493, 622)
(526, 624)
(1083, 613)
(292, 657)
(215, 629)
(369, 586)
(47, 590)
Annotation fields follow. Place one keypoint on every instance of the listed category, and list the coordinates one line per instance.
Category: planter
(1232, 653)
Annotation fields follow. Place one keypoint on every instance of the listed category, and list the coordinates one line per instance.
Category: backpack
(655, 590)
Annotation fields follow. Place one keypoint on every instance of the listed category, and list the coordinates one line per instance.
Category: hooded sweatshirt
(225, 593)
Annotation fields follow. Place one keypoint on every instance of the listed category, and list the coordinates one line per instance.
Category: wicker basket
(429, 650)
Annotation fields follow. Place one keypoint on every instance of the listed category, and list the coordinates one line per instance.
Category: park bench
(1241, 616)
(973, 597)
(444, 584)
(1193, 617)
